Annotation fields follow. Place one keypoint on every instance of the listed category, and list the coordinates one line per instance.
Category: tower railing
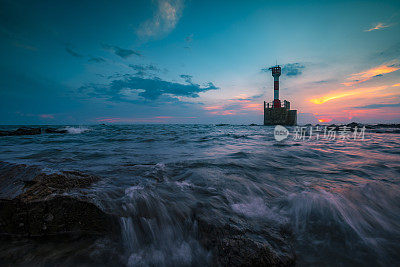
(286, 104)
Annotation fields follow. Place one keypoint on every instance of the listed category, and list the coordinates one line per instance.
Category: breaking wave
(76, 130)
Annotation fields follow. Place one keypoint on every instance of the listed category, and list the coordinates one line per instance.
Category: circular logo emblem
(280, 133)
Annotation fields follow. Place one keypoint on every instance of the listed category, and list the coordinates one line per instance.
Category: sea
(339, 198)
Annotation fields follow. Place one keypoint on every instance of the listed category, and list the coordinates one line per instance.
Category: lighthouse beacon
(275, 113)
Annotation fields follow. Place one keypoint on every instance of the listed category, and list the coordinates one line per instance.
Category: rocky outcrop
(245, 246)
(43, 207)
(58, 215)
(55, 130)
(32, 131)
(353, 125)
(22, 131)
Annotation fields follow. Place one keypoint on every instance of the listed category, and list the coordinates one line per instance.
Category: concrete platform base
(280, 116)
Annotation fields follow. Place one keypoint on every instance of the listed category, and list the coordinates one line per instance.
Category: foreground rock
(32, 131)
(353, 125)
(22, 131)
(55, 130)
(246, 246)
(42, 209)
(59, 215)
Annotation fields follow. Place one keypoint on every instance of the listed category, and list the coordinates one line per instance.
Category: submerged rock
(42, 208)
(59, 215)
(32, 131)
(243, 246)
(55, 130)
(22, 131)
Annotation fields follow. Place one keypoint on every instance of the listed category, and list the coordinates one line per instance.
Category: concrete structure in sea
(274, 112)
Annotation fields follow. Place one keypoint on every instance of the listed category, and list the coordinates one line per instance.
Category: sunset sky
(175, 61)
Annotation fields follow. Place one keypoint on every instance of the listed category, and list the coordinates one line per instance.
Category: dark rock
(45, 185)
(242, 246)
(14, 178)
(59, 215)
(354, 125)
(333, 127)
(31, 131)
(55, 130)
(22, 131)
(29, 183)
(387, 126)
(42, 208)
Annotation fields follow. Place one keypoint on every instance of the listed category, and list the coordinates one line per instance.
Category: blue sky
(181, 61)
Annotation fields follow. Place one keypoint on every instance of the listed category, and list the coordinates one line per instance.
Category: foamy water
(339, 198)
(76, 130)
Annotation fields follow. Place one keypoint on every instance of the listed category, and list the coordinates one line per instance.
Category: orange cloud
(378, 26)
(360, 91)
(240, 98)
(397, 84)
(369, 74)
(213, 107)
(163, 117)
(224, 112)
(108, 119)
(253, 106)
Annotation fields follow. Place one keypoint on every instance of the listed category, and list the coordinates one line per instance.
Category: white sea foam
(183, 184)
(130, 191)
(76, 130)
(255, 207)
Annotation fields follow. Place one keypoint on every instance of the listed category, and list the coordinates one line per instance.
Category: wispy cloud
(42, 116)
(240, 104)
(187, 78)
(369, 74)
(290, 69)
(144, 70)
(25, 46)
(121, 52)
(155, 119)
(139, 89)
(213, 107)
(293, 69)
(164, 19)
(46, 116)
(72, 52)
(96, 59)
(341, 94)
(378, 26)
(375, 106)
(188, 41)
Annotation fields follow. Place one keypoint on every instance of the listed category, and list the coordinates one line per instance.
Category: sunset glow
(369, 74)
(155, 62)
(378, 26)
(357, 92)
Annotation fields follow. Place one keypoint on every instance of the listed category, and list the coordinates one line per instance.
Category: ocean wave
(76, 130)
(180, 190)
(347, 223)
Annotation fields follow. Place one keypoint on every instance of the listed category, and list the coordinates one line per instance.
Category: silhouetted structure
(274, 113)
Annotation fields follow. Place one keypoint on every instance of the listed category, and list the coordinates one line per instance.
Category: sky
(176, 61)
